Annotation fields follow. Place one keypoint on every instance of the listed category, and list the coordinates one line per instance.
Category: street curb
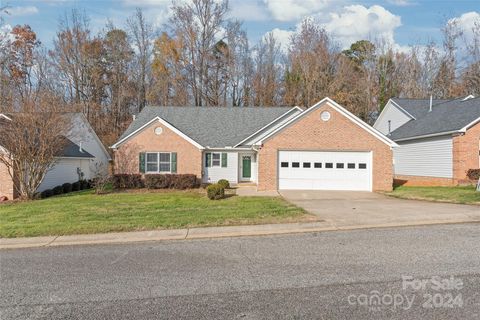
(201, 233)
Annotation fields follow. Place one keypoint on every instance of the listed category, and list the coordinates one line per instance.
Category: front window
(158, 162)
(215, 159)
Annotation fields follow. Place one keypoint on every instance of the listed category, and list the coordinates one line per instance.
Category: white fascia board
(166, 124)
(402, 109)
(96, 136)
(342, 111)
(296, 108)
(430, 135)
(395, 105)
(471, 124)
(2, 115)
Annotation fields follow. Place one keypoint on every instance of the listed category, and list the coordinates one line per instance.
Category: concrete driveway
(346, 209)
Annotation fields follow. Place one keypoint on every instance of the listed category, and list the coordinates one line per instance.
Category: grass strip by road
(462, 195)
(85, 213)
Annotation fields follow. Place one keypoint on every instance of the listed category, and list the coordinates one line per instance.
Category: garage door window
(295, 164)
(284, 165)
(362, 166)
(340, 165)
(306, 164)
(317, 165)
(329, 165)
(351, 166)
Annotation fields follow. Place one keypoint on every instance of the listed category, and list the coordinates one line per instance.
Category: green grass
(464, 195)
(84, 212)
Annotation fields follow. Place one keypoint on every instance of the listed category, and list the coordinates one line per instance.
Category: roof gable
(343, 112)
(208, 127)
(446, 117)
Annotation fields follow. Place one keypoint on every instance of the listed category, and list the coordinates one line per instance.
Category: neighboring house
(83, 156)
(324, 147)
(438, 140)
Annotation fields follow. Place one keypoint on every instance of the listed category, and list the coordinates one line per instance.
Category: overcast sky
(403, 22)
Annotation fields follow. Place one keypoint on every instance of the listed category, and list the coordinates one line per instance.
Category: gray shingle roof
(451, 115)
(72, 150)
(417, 107)
(214, 127)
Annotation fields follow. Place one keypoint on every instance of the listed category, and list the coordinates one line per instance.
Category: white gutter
(431, 135)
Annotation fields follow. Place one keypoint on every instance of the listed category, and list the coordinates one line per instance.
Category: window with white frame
(216, 159)
(158, 162)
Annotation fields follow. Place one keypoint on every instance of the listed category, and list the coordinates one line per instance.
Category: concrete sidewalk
(200, 233)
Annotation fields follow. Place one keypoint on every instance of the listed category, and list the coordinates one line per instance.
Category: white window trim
(219, 159)
(158, 162)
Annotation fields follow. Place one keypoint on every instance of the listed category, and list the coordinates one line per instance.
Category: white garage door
(318, 170)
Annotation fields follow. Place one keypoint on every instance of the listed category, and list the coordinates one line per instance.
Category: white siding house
(391, 118)
(66, 170)
(429, 157)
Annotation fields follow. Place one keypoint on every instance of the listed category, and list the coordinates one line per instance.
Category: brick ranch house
(439, 140)
(324, 147)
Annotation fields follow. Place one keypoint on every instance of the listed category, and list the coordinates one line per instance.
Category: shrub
(215, 192)
(127, 181)
(158, 181)
(224, 183)
(67, 187)
(84, 185)
(184, 181)
(473, 174)
(76, 186)
(171, 181)
(57, 190)
(46, 193)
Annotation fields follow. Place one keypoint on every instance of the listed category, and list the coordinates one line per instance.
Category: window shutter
(141, 162)
(224, 160)
(173, 162)
(208, 160)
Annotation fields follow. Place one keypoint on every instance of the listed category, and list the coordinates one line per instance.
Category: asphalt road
(330, 275)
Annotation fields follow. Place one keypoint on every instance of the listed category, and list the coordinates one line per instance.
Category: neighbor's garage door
(316, 170)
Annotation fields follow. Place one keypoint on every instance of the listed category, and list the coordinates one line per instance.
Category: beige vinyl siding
(397, 117)
(429, 157)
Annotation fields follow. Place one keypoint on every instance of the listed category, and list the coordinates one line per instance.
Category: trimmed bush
(171, 181)
(76, 186)
(57, 190)
(184, 181)
(224, 183)
(127, 181)
(84, 185)
(46, 193)
(473, 174)
(215, 192)
(67, 187)
(158, 181)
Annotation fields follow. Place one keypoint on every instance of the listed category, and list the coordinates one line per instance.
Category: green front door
(246, 167)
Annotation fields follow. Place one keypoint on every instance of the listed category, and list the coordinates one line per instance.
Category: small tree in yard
(31, 140)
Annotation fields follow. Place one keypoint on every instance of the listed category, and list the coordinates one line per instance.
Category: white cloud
(294, 10)
(401, 3)
(146, 3)
(22, 11)
(467, 22)
(357, 22)
(248, 11)
(283, 37)
(351, 24)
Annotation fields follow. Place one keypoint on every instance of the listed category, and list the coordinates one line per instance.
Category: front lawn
(84, 212)
(464, 195)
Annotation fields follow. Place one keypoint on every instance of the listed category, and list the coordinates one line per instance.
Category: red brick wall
(337, 134)
(465, 153)
(418, 181)
(189, 157)
(6, 183)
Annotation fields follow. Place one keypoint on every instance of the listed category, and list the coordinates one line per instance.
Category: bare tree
(141, 34)
(30, 142)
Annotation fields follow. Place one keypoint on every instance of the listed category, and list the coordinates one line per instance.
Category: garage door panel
(324, 178)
